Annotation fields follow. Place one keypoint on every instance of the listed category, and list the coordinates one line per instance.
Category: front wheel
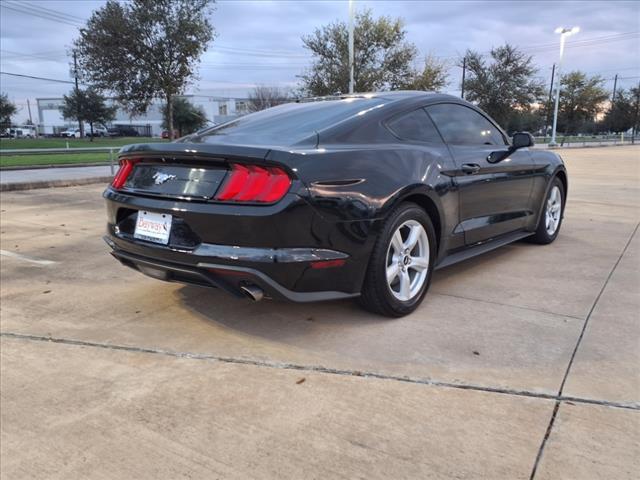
(551, 216)
(401, 263)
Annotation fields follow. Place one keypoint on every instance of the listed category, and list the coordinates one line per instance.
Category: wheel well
(430, 207)
(563, 178)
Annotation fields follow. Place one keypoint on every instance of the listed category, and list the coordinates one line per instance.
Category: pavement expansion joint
(521, 307)
(573, 355)
(320, 369)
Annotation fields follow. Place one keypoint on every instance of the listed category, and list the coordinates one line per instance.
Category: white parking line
(25, 258)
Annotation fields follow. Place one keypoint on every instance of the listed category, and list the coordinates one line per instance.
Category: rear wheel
(401, 263)
(551, 217)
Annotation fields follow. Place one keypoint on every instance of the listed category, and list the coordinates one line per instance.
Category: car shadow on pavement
(220, 307)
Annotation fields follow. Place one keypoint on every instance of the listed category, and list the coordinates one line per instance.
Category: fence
(57, 151)
(588, 140)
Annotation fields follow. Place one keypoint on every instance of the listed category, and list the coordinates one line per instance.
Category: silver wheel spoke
(419, 263)
(405, 285)
(414, 236)
(392, 272)
(396, 242)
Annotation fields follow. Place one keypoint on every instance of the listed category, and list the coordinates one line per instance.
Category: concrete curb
(64, 165)
(11, 187)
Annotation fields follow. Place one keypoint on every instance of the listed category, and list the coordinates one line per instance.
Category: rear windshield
(286, 124)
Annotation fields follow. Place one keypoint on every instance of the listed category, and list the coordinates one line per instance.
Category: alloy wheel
(553, 210)
(407, 260)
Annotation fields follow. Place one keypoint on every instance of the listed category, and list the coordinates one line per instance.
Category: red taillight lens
(254, 184)
(126, 166)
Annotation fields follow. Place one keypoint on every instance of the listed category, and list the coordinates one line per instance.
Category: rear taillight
(250, 183)
(126, 166)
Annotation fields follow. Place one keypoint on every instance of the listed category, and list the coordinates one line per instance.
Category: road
(108, 374)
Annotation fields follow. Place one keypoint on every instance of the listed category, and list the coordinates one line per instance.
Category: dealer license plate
(153, 227)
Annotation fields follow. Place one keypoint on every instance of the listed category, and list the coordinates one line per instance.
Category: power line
(18, 55)
(45, 12)
(36, 78)
(549, 47)
(40, 7)
(600, 39)
(21, 9)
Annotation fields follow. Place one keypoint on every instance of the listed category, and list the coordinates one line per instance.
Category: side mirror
(522, 140)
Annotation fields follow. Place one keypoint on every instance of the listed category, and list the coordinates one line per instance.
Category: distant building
(216, 109)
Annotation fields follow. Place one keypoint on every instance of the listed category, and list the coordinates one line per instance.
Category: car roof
(391, 95)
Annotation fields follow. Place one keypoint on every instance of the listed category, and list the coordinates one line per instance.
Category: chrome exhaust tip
(254, 293)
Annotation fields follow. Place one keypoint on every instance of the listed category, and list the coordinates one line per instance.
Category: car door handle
(470, 168)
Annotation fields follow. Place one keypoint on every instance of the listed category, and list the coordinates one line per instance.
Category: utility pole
(615, 85)
(351, 47)
(464, 69)
(546, 121)
(636, 119)
(29, 108)
(30, 118)
(75, 76)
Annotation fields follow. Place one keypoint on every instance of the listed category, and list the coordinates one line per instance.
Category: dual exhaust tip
(253, 292)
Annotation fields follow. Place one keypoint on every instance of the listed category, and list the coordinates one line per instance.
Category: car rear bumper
(277, 245)
(232, 278)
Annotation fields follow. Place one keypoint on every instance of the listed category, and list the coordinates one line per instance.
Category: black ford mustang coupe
(355, 196)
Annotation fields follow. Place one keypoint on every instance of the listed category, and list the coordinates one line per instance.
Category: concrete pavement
(29, 178)
(145, 379)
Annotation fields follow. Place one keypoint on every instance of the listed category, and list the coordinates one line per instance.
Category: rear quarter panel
(354, 187)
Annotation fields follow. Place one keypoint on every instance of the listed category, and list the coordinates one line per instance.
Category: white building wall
(216, 109)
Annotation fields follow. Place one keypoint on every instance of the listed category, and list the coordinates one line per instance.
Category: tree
(581, 99)
(505, 85)
(620, 116)
(144, 49)
(266, 97)
(532, 121)
(187, 118)
(432, 78)
(87, 106)
(7, 110)
(382, 59)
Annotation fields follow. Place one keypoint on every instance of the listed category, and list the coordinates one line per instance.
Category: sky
(259, 42)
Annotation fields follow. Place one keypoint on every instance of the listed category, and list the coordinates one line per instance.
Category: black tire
(542, 236)
(376, 293)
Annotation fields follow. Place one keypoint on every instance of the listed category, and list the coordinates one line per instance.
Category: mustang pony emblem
(159, 178)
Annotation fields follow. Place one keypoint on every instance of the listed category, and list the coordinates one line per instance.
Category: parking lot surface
(522, 363)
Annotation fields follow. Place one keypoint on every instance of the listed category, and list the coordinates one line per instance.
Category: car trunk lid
(175, 180)
(189, 171)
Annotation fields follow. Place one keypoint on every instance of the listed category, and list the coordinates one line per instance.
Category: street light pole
(564, 33)
(351, 53)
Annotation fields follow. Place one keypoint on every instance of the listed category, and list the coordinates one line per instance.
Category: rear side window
(460, 125)
(289, 122)
(415, 125)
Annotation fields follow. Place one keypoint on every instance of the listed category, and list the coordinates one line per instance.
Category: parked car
(97, 131)
(122, 131)
(71, 133)
(165, 134)
(356, 196)
(20, 132)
